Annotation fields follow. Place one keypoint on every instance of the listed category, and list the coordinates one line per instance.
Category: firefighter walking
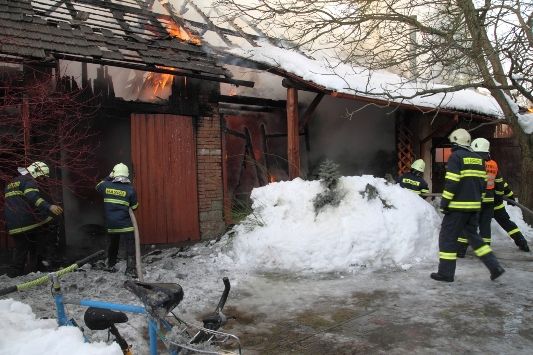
(465, 183)
(119, 196)
(502, 217)
(26, 214)
(494, 187)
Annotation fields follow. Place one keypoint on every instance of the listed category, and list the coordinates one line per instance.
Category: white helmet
(419, 165)
(120, 170)
(480, 145)
(460, 137)
(38, 168)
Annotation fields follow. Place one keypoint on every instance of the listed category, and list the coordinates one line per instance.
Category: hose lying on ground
(45, 279)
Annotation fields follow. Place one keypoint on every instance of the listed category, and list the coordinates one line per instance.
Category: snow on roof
(323, 71)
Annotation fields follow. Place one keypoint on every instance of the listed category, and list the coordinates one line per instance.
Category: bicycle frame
(154, 323)
(63, 320)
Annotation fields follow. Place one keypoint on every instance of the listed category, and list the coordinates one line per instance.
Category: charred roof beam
(141, 67)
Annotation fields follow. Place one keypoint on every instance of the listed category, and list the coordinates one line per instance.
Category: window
(442, 154)
(503, 131)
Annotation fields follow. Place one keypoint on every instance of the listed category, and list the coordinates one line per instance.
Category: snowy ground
(354, 278)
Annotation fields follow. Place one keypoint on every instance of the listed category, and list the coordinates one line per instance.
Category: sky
(283, 236)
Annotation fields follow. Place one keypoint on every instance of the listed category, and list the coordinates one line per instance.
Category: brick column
(210, 184)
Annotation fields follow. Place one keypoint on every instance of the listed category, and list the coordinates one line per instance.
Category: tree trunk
(482, 55)
(526, 187)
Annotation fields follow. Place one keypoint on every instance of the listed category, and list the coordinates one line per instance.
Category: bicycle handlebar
(45, 279)
(224, 296)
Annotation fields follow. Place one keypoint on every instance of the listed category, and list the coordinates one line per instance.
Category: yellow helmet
(419, 165)
(460, 137)
(38, 168)
(120, 170)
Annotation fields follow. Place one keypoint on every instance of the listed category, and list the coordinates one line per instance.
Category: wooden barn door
(163, 152)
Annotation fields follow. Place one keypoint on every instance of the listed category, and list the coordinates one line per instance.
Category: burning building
(203, 112)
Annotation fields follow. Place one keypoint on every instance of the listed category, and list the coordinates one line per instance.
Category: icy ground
(354, 278)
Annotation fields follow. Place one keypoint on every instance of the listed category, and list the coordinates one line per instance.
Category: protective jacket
(506, 191)
(465, 181)
(25, 209)
(413, 182)
(118, 198)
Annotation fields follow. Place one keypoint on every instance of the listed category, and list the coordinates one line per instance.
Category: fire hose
(45, 279)
(137, 245)
(508, 200)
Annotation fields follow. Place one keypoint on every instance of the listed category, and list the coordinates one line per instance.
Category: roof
(242, 41)
(111, 32)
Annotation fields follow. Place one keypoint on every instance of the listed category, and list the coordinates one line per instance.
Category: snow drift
(396, 228)
(23, 334)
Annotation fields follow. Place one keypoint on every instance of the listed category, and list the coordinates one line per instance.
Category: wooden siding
(163, 152)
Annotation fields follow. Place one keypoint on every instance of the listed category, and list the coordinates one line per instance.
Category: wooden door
(163, 153)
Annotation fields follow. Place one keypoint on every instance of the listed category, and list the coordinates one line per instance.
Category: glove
(56, 210)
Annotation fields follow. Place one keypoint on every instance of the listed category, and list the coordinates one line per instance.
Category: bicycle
(159, 299)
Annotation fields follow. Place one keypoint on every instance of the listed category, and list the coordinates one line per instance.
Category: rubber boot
(446, 271)
(131, 270)
(493, 265)
(521, 242)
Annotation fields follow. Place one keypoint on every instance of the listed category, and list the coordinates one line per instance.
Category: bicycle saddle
(100, 319)
(158, 298)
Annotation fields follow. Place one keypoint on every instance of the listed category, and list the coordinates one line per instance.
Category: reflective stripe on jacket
(25, 209)
(465, 181)
(413, 182)
(118, 198)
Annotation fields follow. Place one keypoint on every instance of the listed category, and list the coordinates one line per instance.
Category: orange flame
(179, 32)
(159, 81)
(271, 178)
(232, 91)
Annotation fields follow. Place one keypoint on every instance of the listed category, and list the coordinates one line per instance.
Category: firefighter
(119, 196)
(494, 186)
(502, 217)
(26, 216)
(461, 202)
(413, 179)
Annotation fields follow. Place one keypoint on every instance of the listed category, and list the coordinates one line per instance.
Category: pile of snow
(526, 122)
(23, 334)
(285, 233)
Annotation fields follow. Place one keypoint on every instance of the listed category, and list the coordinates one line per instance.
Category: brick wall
(210, 184)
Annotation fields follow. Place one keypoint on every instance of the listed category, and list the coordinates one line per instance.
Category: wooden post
(26, 128)
(293, 138)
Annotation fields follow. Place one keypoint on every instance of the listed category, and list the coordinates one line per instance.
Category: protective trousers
(453, 224)
(30, 247)
(128, 242)
(485, 217)
(502, 217)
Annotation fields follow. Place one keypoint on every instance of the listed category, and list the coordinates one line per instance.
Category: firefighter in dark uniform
(494, 186)
(465, 183)
(26, 214)
(502, 217)
(119, 196)
(413, 179)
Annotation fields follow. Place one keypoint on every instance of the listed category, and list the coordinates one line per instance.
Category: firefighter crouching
(413, 179)
(494, 186)
(26, 214)
(465, 183)
(119, 196)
